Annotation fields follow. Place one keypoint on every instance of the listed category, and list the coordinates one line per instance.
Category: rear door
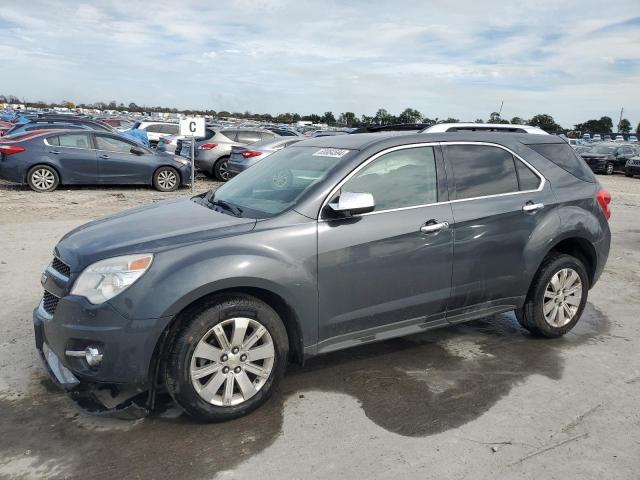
(383, 271)
(498, 201)
(76, 156)
(116, 163)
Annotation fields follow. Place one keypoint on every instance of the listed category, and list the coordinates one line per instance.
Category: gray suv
(331, 243)
(213, 151)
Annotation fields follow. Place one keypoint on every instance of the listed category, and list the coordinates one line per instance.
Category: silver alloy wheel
(167, 179)
(609, 168)
(223, 170)
(562, 297)
(232, 361)
(43, 178)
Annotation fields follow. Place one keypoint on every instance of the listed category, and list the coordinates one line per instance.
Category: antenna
(501, 105)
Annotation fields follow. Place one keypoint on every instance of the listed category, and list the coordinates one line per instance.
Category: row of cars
(610, 157)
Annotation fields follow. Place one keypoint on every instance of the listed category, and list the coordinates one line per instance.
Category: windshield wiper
(230, 207)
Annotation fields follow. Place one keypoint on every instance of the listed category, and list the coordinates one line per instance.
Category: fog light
(91, 354)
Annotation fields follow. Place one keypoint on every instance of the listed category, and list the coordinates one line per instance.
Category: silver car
(212, 154)
(244, 157)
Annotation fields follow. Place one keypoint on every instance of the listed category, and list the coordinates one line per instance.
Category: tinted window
(403, 178)
(480, 170)
(526, 178)
(53, 140)
(170, 129)
(78, 140)
(267, 135)
(564, 156)
(248, 137)
(112, 144)
(229, 134)
(155, 128)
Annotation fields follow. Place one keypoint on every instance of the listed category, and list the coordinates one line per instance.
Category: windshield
(603, 150)
(275, 184)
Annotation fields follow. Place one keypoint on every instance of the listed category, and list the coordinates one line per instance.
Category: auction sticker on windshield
(331, 152)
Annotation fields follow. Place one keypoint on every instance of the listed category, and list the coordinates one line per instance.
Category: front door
(76, 155)
(116, 163)
(389, 269)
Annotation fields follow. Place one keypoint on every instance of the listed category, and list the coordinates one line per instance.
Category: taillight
(604, 199)
(165, 141)
(207, 146)
(250, 153)
(10, 149)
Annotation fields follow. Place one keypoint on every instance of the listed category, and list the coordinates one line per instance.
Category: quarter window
(402, 178)
(526, 178)
(480, 170)
(112, 144)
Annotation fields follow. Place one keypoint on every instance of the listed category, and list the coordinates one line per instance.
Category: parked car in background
(43, 121)
(212, 153)
(32, 126)
(284, 132)
(582, 148)
(156, 130)
(619, 138)
(586, 137)
(118, 123)
(633, 139)
(608, 157)
(632, 166)
(242, 158)
(597, 137)
(326, 133)
(45, 159)
(606, 138)
(327, 244)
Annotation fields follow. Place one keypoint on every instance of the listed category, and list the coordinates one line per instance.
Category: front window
(603, 150)
(277, 183)
(112, 144)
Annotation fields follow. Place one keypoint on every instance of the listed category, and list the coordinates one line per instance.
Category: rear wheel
(221, 169)
(556, 298)
(627, 173)
(166, 179)
(227, 360)
(609, 169)
(43, 178)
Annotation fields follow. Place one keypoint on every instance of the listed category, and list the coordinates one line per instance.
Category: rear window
(565, 157)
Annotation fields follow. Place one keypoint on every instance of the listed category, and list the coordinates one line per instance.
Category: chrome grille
(59, 266)
(49, 303)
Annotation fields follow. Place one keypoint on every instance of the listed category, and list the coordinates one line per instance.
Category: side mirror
(137, 151)
(349, 204)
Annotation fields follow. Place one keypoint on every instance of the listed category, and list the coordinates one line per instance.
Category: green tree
(545, 122)
(517, 121)
(450, 120)
(328, 118)
(624, 126)
(382, 117)
(410, 115)
(68, 104)
(479, 120)
(638, 128)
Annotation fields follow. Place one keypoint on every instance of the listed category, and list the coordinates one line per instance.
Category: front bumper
(597, 166)
(632, 168)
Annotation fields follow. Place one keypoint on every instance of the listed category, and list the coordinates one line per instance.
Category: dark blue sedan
(44, 159)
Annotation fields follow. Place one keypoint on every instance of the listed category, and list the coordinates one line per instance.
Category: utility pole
(500, 111)
(620, 121)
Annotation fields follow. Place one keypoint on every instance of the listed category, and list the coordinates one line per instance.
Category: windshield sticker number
(331, 152)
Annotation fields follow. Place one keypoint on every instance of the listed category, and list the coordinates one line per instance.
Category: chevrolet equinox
(331, 243)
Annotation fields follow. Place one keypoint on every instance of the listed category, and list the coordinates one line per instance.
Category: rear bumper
(12, 168)
(632, 169)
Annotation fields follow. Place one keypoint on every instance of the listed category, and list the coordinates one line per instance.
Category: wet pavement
(480, 400)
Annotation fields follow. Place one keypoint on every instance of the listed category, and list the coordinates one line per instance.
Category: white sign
(192, 126)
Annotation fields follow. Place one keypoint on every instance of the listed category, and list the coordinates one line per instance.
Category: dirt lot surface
(480, 401)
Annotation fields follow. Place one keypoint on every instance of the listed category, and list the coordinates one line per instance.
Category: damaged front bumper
(113, 400)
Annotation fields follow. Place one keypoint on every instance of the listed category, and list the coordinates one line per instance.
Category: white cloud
(444, 59)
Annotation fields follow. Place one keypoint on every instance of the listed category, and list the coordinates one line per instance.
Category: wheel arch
(578, 247)
(177, 170)
(43, 164)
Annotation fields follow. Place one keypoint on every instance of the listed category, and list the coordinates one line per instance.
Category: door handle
(434, 227)
(55, 152)
(531, 207)
(103, 156)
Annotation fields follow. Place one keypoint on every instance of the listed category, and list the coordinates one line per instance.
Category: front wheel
(226, 361)
(166, 179)
(556, 298)
(627, 173)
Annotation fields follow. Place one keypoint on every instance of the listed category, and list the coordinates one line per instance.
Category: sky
(575, 60)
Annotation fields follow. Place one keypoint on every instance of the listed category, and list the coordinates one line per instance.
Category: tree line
(544, 121)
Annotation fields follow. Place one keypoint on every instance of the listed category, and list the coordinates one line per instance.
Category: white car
(619, 138)
(157, 130)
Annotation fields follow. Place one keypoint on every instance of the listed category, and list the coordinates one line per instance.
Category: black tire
(609, 168)
(200, 322)
(221, 170)
(627, 173)
(43, 178)
(531, 315)
(166, 179)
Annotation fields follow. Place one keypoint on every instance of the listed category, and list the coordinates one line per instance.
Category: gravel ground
(482, 400)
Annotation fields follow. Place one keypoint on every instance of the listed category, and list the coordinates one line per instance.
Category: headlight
(183, 161)
(105, 279)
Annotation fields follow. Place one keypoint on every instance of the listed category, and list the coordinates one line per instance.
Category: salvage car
(46, 159)
(608, 157)
(329, 243)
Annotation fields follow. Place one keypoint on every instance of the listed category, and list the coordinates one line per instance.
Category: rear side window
(563, 156)
(170, 129)
(230, 134)
(267, 135)
(154, 128)
(53, 140)
(74, 140)
(248, 137)
(480, 170)
(403, 178)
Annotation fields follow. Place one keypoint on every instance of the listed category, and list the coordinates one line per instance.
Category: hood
(150, 228)
(596, 155)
